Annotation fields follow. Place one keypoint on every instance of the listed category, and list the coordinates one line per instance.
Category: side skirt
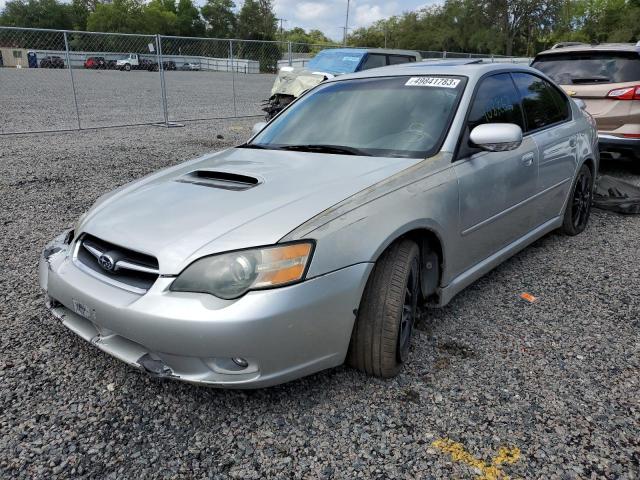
(445, 294)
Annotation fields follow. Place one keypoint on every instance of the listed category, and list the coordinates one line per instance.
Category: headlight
(231, 275)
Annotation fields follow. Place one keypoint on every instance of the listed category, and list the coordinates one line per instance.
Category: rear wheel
(127, 67)
(578, 211)
(382, 333)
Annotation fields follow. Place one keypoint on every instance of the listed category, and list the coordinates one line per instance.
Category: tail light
(627, 93)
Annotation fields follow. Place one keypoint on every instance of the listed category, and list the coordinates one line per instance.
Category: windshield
(335, 61)
(390, 116)
(590, 67)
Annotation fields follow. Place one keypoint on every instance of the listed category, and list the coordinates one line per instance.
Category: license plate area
(83, 310)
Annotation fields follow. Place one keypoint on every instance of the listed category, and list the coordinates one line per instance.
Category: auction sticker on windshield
(433, 82)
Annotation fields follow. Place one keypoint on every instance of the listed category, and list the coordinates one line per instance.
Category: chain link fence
(54, 80)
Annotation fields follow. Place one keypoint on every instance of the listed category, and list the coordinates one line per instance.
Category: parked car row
(130, 62)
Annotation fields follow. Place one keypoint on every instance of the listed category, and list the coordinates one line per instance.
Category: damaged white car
(292, 82)
(319, 242)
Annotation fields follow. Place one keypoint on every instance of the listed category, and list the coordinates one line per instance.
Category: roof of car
(570, 47)
(373, 50)
(471, 70)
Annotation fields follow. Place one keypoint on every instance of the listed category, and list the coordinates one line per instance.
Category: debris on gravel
(532, 390)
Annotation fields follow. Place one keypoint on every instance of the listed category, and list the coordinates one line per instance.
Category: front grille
(117, 264)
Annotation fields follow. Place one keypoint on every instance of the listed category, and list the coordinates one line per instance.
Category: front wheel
(382, 333)
(127, 67)
(578, 211)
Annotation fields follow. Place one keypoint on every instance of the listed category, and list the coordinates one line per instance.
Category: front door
(494, 187)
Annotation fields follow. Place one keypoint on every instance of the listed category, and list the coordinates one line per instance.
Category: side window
(374, 60)
(543, 104)
(496, 101)
(398, 59)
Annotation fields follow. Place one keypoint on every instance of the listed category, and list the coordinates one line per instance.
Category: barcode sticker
(442, 82)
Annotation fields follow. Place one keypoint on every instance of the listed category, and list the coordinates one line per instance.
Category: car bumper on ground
(281, 334)
(614, 147)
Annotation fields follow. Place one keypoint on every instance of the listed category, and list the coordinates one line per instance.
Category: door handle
(527, 159)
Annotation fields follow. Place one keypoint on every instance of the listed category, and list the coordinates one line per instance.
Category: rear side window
(543, 105)
(496, 101)
(590, 67)
(398, 59)
(374, 60)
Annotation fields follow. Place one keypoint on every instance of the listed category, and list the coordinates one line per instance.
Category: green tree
(220, 18)
(37, 14)
(299, 35)
(257, 21)
(122, 16)
(189, 22)
(155, 18)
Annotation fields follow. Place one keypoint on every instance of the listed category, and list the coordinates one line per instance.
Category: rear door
(494, 186)
(548, 121)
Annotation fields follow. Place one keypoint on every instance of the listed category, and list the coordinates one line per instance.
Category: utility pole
(346, 24)
(282, 20)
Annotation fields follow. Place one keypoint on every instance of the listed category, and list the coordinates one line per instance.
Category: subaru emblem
(106, 262)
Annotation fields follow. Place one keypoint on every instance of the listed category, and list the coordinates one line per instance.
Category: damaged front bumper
(264, 338)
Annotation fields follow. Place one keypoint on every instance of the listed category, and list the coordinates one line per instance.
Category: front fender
(358, 230)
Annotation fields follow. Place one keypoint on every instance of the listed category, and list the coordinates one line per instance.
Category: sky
(329, 15)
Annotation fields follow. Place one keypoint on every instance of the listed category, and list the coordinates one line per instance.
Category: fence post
(444, 54)
(73, 84)
(290, 55)
(233, 79)
(163, 87)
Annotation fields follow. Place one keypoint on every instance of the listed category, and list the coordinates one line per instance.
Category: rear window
(590, 67)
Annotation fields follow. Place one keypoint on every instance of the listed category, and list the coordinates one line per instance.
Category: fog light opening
(241, 362)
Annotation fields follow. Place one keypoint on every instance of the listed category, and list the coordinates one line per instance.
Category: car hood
(295, 81)
(178, 218)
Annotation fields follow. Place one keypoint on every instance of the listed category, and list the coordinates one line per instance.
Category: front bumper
(283, 334)
(614, 147)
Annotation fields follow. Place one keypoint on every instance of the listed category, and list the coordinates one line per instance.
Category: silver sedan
(372, 197)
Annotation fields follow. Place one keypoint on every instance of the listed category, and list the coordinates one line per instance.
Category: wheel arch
(432, 253)
(591, 163)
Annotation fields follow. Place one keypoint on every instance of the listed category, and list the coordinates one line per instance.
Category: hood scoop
(223, 180)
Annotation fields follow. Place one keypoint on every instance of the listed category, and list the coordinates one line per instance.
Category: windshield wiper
(339, 149)
(258, 146)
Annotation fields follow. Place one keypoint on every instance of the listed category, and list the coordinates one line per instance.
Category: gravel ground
(557, 379)
(42, 99)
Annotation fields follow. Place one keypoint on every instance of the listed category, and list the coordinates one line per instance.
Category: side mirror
(257, 128)
(497, 137)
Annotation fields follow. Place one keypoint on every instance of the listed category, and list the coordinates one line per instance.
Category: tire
(382, 332)
(576, 215)
(127, 68)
